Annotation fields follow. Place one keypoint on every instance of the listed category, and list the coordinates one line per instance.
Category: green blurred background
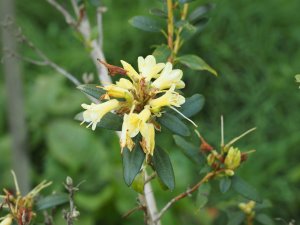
(255, 47)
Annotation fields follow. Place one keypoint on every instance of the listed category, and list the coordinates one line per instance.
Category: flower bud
(247, 208)
(233, 158)
(229, 173)
(210, 159)
(69, 181)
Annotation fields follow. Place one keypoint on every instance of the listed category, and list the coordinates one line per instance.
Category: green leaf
(192, 105)
(202, 196)
(109, 121)
(145, 23)
(190, 150)
(163, 167)
(188, 30)
(158, 12)
(162, 53)
(236, 218)
(174, 124)
(51, 201)
(95, 3)
(225, 184)
(91, 90)
(243, 188)
(185, 1)
(196, 63)
(264, 219)
(138, 183)
(198, 13)
(132, 161)
(93, 201)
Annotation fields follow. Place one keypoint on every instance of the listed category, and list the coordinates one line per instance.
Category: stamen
(191, 121)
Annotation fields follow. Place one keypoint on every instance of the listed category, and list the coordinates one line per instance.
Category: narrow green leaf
(225, 184)
(264, 219)
(145, 23)
(200, 11)
(163, 167)
(192, 105)
(132, 161)
(236, 218)
(162, 53)
(196, 63)
(158, 12)
(243, 188)
(109, 121)
(91, 90)
(51, 201)
(174, 124)
(190, 150)
(185, 1)
(202, 196)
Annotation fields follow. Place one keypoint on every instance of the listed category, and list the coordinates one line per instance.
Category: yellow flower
(137, 123)
(132, 74)
(233, 158)
(7, 220)
(169, 77)
(94, 112)
(148, 67)
(170, 98)
(118, 92)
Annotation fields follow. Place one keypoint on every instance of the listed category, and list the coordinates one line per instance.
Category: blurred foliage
(253, 45)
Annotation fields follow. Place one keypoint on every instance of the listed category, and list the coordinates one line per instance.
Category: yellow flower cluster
(248, 208)
(139, 100)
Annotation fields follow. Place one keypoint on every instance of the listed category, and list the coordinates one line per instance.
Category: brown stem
(178, 41)
(170, 27)
(187, 193)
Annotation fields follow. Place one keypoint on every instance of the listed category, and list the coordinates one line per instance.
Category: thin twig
(170, 27)
(187, 193)
(75, 7)
(133, 210)
(69, 19)
(71, 215)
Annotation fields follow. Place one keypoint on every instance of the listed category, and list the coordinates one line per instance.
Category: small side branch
(69, 19)
(186, 193)
(71, 215)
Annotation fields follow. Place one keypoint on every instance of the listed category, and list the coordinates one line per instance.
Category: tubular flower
(139, 100)
(137, 123)
(148, 67)
(233, 158)
(170, 98)
(118, 92)
(169, 77)
(94, 112)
